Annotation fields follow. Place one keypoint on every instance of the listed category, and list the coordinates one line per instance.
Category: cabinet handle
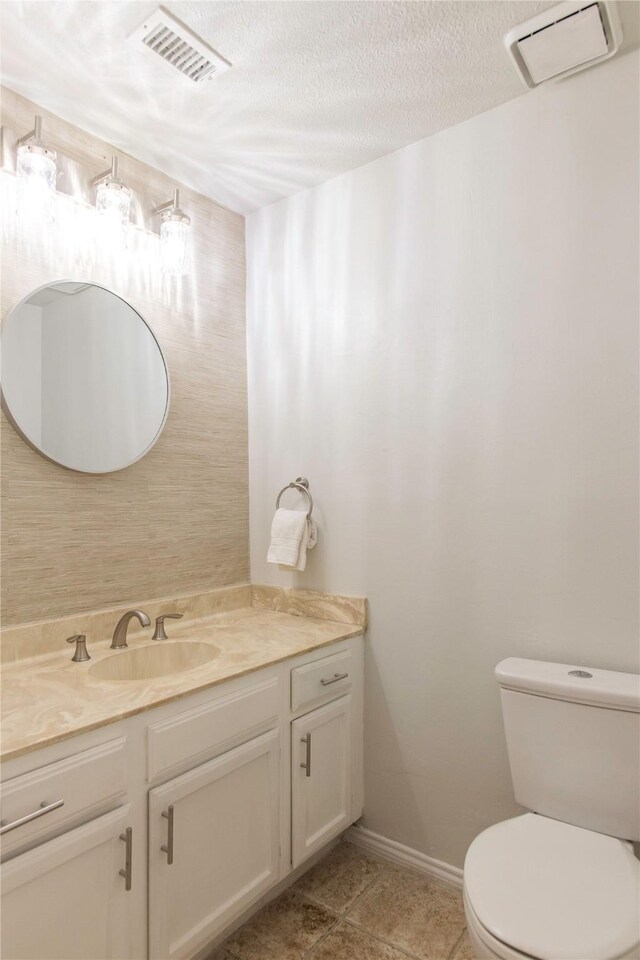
(334, 679)
(127, 836)
(168, 849)
(44, 808)
(306, 766)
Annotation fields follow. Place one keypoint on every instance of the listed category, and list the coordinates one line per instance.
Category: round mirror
(83, 377)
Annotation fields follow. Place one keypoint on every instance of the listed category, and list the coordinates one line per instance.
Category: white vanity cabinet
(213, 845)
(320, 778)
(71, 882)
(326, 745)
(200, 806)
(67, 899)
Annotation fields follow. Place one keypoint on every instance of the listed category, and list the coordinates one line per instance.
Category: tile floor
(352, 906)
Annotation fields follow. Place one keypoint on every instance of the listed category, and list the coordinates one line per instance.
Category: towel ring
(301, 484)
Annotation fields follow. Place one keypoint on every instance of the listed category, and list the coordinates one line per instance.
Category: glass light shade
(174, 244)
(36, 169)
(113, 203)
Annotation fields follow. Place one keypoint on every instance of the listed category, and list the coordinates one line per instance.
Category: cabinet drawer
(212, 727)
(85, 783)
(321, 680)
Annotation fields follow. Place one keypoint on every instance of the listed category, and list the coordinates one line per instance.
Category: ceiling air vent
(564, 39)
(165, 36)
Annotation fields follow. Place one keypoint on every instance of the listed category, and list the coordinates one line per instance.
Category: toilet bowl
(562, 883)
(541, 889)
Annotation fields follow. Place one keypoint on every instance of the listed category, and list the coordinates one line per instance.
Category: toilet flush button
(580, 673)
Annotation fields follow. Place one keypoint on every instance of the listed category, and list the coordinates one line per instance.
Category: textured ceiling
(316, 88)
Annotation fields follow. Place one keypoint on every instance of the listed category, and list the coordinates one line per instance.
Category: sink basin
(160, 660)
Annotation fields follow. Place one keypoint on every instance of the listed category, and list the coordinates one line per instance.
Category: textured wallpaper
(176, 521)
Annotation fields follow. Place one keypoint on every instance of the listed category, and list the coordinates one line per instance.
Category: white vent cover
(564, 39)
(169, 39)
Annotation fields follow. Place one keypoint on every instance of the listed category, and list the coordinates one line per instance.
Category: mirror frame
(7, 412)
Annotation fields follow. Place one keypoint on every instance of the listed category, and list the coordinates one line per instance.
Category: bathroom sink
(160, 660)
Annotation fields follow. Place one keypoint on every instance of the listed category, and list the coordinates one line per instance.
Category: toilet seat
(544, 889)
(485, 945)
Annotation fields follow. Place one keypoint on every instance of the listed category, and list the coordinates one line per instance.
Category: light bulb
(113, 203)
(174, 243)
(36, 169)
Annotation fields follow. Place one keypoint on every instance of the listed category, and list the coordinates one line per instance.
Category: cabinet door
(213, 846)
(66, 899)
(320, 777)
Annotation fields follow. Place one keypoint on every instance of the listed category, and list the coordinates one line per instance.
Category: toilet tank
(573, 736)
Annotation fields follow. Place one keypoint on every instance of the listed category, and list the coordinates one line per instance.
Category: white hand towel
(292, 534)
(308, 542)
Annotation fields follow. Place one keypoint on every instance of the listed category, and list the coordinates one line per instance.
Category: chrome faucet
(120, 632)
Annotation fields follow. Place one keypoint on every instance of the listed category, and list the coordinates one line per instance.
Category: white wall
(445, 343)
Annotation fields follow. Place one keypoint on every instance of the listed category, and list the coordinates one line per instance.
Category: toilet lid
(551, 890)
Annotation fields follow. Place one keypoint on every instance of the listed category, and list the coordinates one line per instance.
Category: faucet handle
(159, 633)
(80, 652)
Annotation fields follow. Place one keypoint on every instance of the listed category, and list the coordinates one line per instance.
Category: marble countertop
(49, 698)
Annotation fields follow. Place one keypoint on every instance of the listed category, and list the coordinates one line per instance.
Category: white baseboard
(403, 856)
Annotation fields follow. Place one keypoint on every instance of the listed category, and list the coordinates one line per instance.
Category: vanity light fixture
(36, 169)
(113, 202)
(174, 237)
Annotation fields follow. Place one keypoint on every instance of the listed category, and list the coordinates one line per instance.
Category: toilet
(562, 882)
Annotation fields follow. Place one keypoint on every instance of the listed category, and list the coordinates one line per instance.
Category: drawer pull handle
(168, 849)
(306, 766)
(334, 679)
(127, 836)
(44, 808)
